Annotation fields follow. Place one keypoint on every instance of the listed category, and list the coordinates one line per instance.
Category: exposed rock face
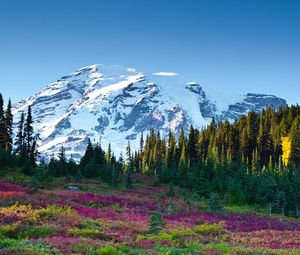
(253, 102)
(115, 104)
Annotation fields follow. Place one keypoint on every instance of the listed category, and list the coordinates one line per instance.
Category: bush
(108, 250)
(162, 236)
(210, 229)
(156, 223)
(87, 232)
(183, 232)
(24, 231)
(17, 247)
(54, 212)
(213, 202)
(171, 192)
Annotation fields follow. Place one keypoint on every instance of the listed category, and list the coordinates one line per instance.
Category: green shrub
(184, 232)
(214, 202)
(190, 249)
(87, 232)
(156, 222)
(221, 247)
(90, 224)
(7, 242)
(162, 236)
(108, 250)
(54, 212)
(210, 229)
(23, 231)
(23, 247)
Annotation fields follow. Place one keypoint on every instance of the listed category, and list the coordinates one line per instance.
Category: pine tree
(2, 124)
(129, 166)
(295, 192)
(88, 155)
(181, 139)
(295, 142)
(140, 158)
(30, 145)
(279, 202)
(62, 162)
(8, 127)
(158, 154)
(19, 143)
(183, 168)
(191, 146)
(28, 132)
(108, 154)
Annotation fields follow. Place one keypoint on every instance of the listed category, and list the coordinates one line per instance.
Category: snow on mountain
(115, 104)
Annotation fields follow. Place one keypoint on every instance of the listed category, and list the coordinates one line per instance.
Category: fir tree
(295, 142)
(19, 143)
(62, 162)
(108, 154)
(140, 154)
(129, 166)
(191, 146)
(8, 127)
(28, 132)
(158, 154)
(88, 155)
(2, 124)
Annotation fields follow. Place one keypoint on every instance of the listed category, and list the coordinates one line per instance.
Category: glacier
(114, 104)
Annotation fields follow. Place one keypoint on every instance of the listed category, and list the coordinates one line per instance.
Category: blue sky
(227, 45)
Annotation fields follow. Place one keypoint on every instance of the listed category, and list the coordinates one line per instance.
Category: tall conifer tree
(2, 124)
(8, 127)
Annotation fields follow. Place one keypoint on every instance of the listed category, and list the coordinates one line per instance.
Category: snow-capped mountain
(115, 104)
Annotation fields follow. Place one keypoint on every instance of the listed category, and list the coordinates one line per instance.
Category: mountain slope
(115, 104)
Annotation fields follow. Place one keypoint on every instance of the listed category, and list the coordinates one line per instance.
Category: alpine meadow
(140, 157)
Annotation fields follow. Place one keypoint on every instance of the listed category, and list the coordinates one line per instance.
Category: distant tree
(279, 202)
(156, 222)
(28, 132)
(30, 145)
(158, 154)
(8, 127)
(2, 124)
(295, 142)
(129, 167)
(88, 155)
(62, 162)
(140, 154)
(108, 154)
(214, 202)
(19, 142)
(191, 146)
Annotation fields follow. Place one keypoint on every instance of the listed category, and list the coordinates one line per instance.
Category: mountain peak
(115, 104)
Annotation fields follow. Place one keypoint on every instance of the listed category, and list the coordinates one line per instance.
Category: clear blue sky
(228, 45)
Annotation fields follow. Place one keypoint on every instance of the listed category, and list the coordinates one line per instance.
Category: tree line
(22, 151)
(253, 160)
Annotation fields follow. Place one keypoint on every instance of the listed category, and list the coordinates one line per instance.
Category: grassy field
(99, 219)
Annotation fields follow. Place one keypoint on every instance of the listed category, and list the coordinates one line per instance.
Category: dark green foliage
(35, 184)
(19, 143)
(156, 222)
(28, 132)
(214, 202)
(279, 203)
(8, 124)
(238, 163)
(97, 163)
(295, 142)
(2, 124)
(171, 192)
